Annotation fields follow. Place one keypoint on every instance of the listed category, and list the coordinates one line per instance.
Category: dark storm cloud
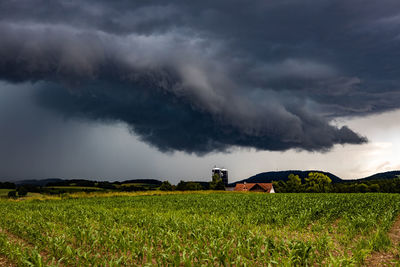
(167, 122)
(204, 76)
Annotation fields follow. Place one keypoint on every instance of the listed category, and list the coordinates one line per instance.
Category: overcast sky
(114, 90)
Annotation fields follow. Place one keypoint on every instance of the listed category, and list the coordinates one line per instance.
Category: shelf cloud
(211, 75)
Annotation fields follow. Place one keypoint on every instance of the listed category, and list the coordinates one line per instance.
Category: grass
(4, 192)
(75, 187)
(197, 228)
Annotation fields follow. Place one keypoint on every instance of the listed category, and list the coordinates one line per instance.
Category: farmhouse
(255, 187)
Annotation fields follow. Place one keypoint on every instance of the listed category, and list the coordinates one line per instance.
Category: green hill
(269, 177)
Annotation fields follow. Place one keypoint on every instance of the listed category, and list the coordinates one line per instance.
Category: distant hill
(268, 177)
(142, 181)
(264, 177)
(382, 175)
(39, 182)
(86, 182)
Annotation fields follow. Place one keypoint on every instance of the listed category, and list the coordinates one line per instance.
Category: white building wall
(272, 190)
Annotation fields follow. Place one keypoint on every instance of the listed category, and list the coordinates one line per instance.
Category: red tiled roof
(248, 186)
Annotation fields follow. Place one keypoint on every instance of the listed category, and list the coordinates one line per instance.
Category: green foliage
(22, 191)
(12, 194)
(293, 184)
(199, 229)
(280, 187)
(317, 182)
(7, 185)
(382, 186)
(217, 183)
(188, 186)
(300, 253)
(216, 177)
(374, 188)
(130, 188)
(380, 241)
(362, 188)
(166, 186)
(193, 186)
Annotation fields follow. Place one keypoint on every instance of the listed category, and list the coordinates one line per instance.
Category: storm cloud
(211, 75)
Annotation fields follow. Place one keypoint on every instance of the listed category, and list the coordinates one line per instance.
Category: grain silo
(223, 174)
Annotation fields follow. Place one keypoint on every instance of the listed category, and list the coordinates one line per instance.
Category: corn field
(198, 229)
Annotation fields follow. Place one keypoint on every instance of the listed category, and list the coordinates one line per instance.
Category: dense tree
(217, 183)
(166, 186)
(382, 185)
(193, 186)
(280, 186)
(133, 188)
(183, 186)
(7, 185)
(293, 184)
(12, 194)
(362, 188)
(22, 191)
(317, 182)
(374, 188)
(105, 185)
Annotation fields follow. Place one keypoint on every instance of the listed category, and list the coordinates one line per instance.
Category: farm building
(255, 187)
(223, 173)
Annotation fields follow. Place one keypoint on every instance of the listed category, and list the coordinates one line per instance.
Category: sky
(115, 90)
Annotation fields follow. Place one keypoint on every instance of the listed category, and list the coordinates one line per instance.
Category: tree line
(71, 186)
(317, 182)
(215, 184)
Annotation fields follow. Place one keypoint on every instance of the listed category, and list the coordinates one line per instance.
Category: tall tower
(214, 171)
(224, 176)
(223, 173)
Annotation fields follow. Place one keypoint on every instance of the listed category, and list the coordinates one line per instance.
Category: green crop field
(199, 229)
(4, 192)
(80, 188)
